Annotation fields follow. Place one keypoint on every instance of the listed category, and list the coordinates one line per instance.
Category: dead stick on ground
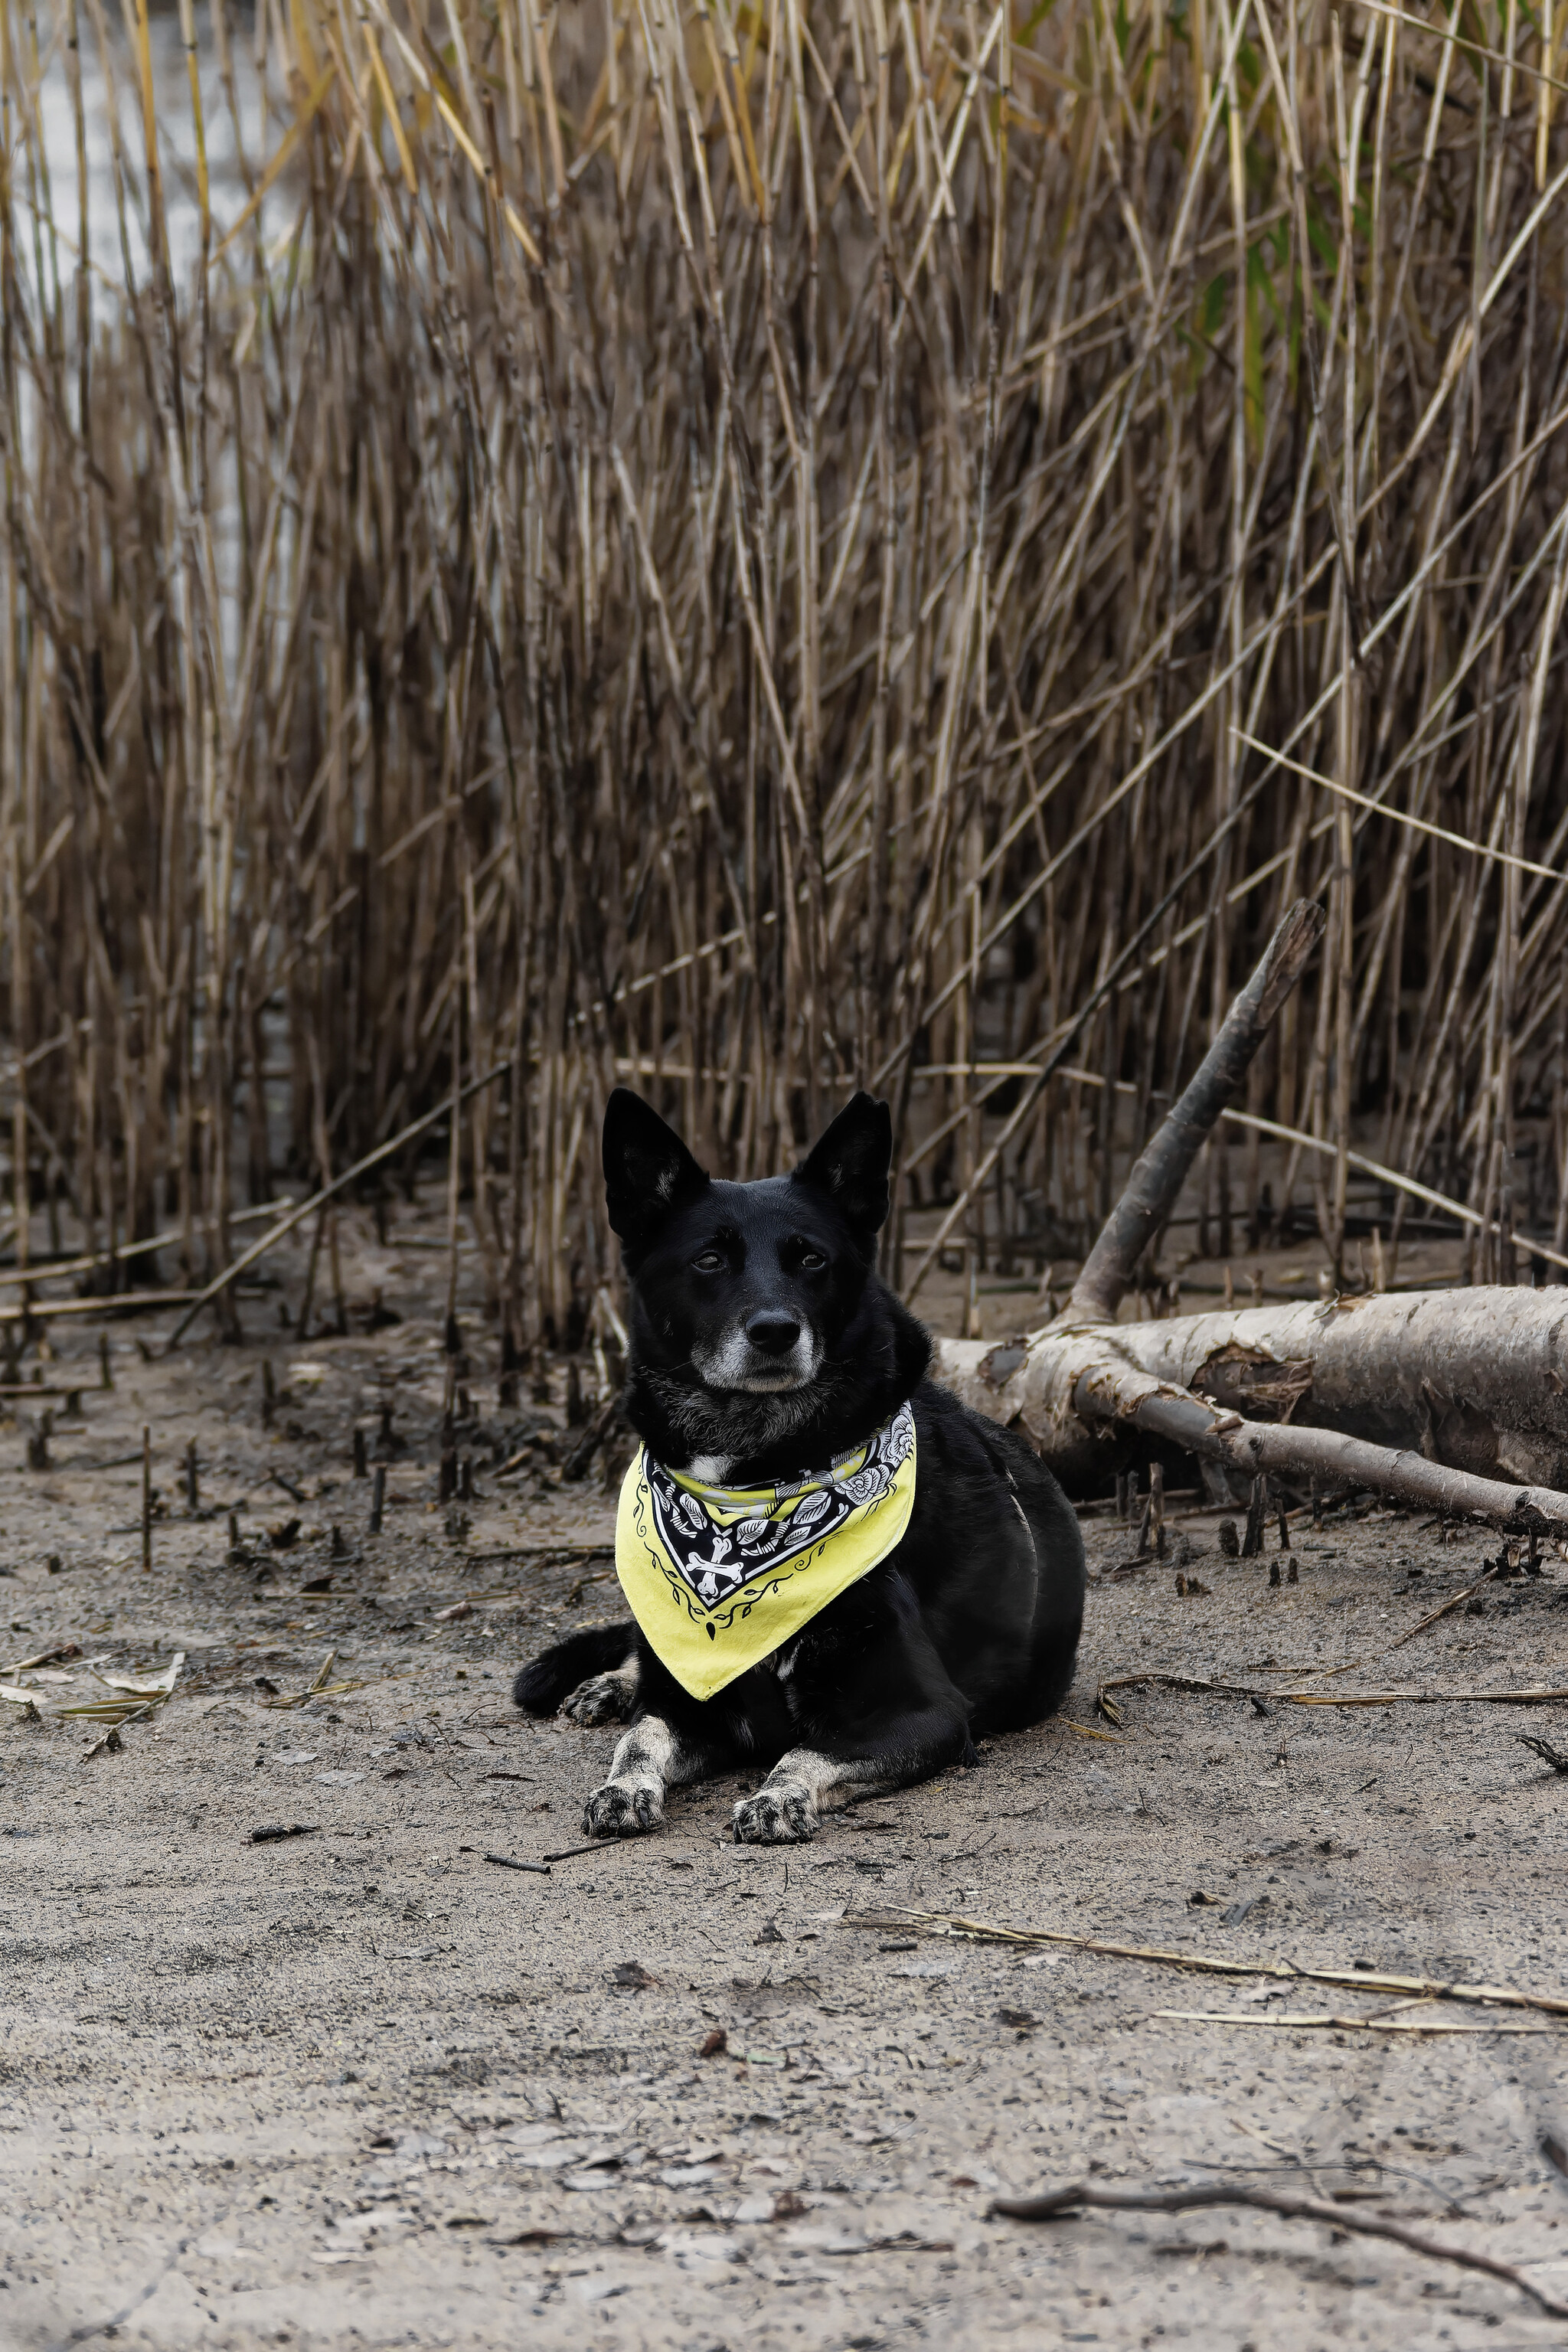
(1335, 2022)
(1112, 1713)
(297, 1216)
(984, 1931)
(1060, 2203)
(146, 1496)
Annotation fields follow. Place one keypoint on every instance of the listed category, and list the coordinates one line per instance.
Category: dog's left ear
(851, 1162)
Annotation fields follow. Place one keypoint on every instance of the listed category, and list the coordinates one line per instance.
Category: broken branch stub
(1162, 1170)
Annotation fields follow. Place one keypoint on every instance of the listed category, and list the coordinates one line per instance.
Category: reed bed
(762, 549)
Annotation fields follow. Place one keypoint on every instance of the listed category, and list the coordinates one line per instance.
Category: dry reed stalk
(766, 552)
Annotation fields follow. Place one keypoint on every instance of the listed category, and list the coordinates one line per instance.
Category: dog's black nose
(772, 1333)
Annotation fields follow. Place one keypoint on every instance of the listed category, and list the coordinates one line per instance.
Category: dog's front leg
(787, 1807)
(651, 1758)
(874, 1707)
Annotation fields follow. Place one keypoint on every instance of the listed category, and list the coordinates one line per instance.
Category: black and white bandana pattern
(718, 1538)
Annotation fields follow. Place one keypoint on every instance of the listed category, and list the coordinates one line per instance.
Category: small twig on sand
(1448, 1606)
(1545, 1750)
(1061, 2203)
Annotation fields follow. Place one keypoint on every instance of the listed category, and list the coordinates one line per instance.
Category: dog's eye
(811, 1261)
(708, 1262)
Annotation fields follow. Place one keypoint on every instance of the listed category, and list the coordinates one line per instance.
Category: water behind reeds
(758, 552)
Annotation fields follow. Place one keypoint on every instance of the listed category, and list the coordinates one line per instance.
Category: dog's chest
(709, 1469)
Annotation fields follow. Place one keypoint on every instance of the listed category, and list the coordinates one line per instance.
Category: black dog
(763, 1345)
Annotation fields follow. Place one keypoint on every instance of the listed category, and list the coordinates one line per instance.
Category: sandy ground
(364, 2086)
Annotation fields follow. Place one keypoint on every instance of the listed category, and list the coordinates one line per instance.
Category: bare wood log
(1162, 1170)
(1473, 1379)
(1083, 1385)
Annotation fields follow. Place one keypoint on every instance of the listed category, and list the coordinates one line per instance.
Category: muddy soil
(367, 2086)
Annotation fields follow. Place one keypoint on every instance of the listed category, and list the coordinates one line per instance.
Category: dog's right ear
(648, 1171)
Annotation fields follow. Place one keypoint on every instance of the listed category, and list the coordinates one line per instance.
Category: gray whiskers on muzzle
(741, 1367)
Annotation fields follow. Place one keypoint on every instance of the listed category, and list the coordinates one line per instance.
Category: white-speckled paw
(780, 1815)
(624, 1809)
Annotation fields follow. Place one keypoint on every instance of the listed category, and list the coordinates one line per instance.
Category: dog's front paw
(601, 1699)
(623, 1809)
(777, 1816)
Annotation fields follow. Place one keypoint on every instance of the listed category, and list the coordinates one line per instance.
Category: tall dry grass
(761, 549)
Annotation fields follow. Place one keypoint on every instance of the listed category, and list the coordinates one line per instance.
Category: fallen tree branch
(1057, 2204)
(1251, 1446)
(1419, 1397)
(984, 1931)
(1078, 1385)
(1477, 1378)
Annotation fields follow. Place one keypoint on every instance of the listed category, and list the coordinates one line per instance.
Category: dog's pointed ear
(648, 1171)
(851, 1162)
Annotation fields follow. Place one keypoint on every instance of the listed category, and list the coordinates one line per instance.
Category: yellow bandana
(719, 1577)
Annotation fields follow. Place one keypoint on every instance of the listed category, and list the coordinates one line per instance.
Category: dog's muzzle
(772, 1352)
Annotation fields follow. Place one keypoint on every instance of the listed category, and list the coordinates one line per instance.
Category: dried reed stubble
(587, 586)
